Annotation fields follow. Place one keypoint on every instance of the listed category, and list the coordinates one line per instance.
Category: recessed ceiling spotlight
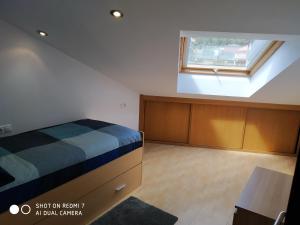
(42, 33)
(116, 13)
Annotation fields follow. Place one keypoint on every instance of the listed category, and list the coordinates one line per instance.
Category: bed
(89, 162)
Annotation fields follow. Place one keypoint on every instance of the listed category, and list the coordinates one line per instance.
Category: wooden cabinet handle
(120, 187)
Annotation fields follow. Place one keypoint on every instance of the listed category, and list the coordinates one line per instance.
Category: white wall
(141, 50)
(41, 86)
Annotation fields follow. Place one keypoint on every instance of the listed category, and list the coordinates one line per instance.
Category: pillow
(5, 177)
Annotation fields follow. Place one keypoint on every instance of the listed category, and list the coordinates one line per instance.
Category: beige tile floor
(200, 185)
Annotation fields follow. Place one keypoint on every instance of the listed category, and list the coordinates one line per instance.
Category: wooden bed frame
(97, 190)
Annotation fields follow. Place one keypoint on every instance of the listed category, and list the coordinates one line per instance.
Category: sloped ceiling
(141, 50)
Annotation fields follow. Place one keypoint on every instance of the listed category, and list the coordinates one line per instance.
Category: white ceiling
(141, 50)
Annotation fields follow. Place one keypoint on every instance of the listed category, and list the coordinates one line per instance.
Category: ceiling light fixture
(116, 13)
(42, 33)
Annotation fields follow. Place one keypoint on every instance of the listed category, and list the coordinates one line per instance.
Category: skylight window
(224, 56)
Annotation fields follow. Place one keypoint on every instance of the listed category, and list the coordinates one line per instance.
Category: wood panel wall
(167, 121)
(271, 130)
(257, 127)
(217, 126)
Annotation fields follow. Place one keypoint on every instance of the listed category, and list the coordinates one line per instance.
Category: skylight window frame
(222, 70)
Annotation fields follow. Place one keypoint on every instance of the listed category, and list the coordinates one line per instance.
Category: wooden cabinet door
(166, 121)
(271, 130)
(217, 126)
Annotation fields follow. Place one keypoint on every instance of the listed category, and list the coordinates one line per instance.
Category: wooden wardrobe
(244, 126)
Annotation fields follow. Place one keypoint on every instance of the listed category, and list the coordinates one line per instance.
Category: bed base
(97, 190)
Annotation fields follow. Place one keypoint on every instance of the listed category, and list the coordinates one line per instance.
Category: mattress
(35, 162)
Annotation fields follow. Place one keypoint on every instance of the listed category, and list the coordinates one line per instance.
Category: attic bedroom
(149, 112)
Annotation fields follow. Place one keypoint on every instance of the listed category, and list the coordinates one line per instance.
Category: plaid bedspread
(33, 155)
